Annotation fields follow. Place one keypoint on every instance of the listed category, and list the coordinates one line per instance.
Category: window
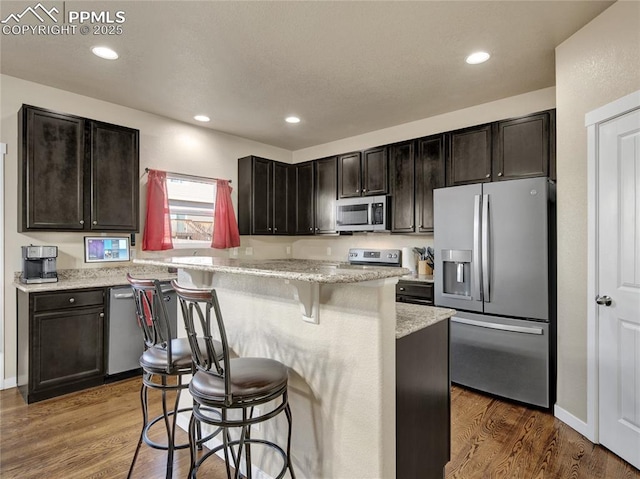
(191, 207)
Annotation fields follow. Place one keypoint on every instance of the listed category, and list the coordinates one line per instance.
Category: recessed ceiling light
(105, 52)
(478, 57)
(292, 119)
(203, 118)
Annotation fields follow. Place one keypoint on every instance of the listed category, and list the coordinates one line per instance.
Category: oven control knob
(395, 255)
(389, 255)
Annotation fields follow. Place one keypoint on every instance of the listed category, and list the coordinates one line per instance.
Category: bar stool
(227, 391)
(165, 362)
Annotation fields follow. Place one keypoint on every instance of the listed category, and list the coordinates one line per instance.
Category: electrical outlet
(288, 249)
(234, 251)
(328, 250)
(248, 251)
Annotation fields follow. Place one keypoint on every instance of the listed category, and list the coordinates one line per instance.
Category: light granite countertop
(414, 317)
(418, 278)
(95, 278)
(313, 271)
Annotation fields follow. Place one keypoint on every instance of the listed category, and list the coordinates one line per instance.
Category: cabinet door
(262, 196)
(374, 172)
(304, 199)
(67, 348)
(326, 186)
(469, 156)
(281, 195)
(349, 175)
(114, 178)
(401, 158)
(51, 183)
(522, 147)
(430, 167)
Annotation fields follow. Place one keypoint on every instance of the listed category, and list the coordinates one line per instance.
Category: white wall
(598, 64)
(164, 144)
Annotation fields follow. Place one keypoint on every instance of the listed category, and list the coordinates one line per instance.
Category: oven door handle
(501, 327)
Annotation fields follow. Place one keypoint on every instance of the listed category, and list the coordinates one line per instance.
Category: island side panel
(423, 388)
(342, 370)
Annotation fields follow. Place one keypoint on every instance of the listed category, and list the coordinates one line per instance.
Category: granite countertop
(313, 271)
(418, 278)
(95, 278)
(414, 317)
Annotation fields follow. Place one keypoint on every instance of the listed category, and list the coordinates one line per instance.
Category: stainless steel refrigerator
(494, 263)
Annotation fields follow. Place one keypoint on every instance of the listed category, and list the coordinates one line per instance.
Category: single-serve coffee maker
(39, 264)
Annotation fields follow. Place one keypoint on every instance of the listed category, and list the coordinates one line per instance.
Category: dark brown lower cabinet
(423, 399)
(60, 342)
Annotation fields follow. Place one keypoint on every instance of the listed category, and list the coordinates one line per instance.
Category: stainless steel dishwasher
(125, 339)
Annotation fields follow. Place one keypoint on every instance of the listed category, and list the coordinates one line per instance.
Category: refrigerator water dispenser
(456, 273)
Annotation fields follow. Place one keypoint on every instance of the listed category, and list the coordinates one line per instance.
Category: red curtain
(157, 229)
(225, 226)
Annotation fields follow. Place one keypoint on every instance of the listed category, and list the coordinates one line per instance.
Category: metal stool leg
(143, 404)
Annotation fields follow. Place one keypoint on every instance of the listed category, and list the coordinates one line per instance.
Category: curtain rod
(183, 175)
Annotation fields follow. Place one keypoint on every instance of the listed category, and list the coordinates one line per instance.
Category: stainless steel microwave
(369, 213)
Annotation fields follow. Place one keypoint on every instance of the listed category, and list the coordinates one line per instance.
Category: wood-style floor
(92, 434)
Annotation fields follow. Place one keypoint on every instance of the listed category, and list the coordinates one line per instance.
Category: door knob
(603, 300)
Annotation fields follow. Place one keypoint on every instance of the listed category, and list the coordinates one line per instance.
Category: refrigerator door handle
(486, 260)
(477, 294)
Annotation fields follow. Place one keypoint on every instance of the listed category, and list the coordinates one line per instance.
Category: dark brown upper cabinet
(430, 174)
(305, 196)
(504, 150)
(264, 197)
(349, 175)
(402, 173)
(523, 146)
(114, 178)
(76, 174)
(363, 174)
(326, 188)
(469, 155)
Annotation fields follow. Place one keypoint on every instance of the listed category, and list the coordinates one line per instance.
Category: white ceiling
(345, 68)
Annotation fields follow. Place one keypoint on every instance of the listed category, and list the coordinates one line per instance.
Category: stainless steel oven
(415, 292)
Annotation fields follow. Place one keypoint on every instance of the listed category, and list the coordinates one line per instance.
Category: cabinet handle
(401, 289)
(72, 300)
(81, 222)
(310, 229)
(500, 174)
(488, 175)
(317, 229)
(357, 191)
(269, 228)
(364, 190)
(275, 229)
(102, 315)
(95, 222)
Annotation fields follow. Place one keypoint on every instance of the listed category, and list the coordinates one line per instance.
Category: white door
(618, 285)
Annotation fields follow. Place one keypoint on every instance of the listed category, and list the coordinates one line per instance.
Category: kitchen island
(334, 326)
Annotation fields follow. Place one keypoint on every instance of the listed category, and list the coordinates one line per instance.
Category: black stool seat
(253, 378)
(156, 358)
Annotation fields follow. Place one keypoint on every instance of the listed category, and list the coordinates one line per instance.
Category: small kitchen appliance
(369, 213)
(39, 264)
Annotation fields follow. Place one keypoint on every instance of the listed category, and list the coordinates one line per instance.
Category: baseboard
(573, 422)
(8, 383)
